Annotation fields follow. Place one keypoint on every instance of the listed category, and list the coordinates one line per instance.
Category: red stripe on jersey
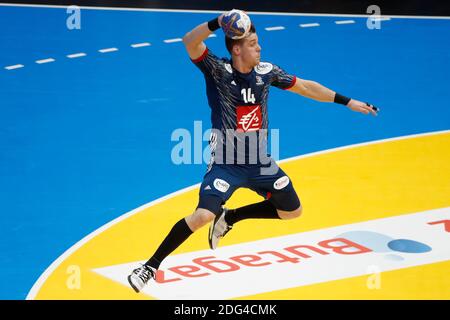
(201, 57)
(292, 83)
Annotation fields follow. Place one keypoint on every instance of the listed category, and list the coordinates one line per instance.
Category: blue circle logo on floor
(408, 246)
(382, 243)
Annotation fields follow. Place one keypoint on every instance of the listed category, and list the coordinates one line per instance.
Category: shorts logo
(221, 185)
(281, 183)
(248, 118)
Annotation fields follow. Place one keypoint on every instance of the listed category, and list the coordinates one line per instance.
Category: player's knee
(199, 218)
(298, 212)
(287, 215)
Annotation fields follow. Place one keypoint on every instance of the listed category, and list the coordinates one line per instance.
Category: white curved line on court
(41, 280)
(35, 289)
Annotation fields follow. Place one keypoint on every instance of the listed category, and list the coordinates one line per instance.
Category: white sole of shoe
(132, 285)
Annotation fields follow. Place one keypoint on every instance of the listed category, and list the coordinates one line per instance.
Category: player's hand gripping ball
(236, 24)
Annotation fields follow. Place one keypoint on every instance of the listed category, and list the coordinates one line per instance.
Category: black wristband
(213, 25)
(341, 99)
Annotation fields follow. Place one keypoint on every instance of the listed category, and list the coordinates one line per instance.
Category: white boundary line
(217, 11)
(140, 45)
(41, 280)
(76, 55)
(106, 50)
(13, 67)
(173, 40)
(309, 25)
(274, 28)
(45, 60)
(376, 18)
(344, 21)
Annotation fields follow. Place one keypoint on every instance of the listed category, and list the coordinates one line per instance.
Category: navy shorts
(222, 180)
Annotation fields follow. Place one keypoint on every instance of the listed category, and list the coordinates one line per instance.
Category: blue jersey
(239, 107)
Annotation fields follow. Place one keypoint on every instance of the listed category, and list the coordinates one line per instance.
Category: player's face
(250, 50)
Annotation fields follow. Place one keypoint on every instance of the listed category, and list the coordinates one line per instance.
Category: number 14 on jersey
(248, 96)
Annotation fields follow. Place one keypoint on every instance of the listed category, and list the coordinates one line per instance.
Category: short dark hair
(229, 43)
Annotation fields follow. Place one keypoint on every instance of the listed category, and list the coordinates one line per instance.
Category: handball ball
(236, 24)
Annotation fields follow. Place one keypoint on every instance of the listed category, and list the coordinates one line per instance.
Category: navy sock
(260, 210)
(179, 233)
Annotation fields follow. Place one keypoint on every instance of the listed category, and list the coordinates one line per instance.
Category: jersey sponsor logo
(221, 185)
(233, 83)
(228, 67)
(263, 68)
(281, 183)
(248, 118)
(303, 259)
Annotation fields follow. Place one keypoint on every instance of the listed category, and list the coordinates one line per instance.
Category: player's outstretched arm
(193, 40)
(316, 91)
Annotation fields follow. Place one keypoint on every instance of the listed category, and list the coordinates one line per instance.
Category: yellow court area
(339, 187)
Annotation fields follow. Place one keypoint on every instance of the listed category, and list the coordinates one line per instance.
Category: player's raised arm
(316, 91)
(193, 40)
